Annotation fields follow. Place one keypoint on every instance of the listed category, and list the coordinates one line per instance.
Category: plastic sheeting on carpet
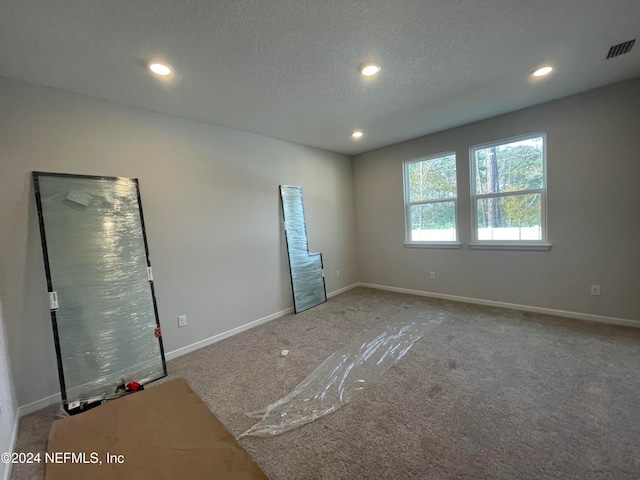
(344, 374)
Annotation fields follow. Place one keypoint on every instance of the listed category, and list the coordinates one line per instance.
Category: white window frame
(408, 204)
(543, 243)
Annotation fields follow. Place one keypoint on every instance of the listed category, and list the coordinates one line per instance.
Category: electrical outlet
(182, 320)
(432, 275)
(337, 273)
(595, 290)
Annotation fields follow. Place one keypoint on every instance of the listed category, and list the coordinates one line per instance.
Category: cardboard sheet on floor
(163, 432)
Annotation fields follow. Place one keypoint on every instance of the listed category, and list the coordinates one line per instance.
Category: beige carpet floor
(488, 394)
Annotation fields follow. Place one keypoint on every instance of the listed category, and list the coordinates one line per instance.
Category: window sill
(433, 245)
(511, 246)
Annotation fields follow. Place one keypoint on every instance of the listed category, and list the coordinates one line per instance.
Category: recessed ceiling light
(541, 72)
(357, 134)
(160, 68)
(369, 69)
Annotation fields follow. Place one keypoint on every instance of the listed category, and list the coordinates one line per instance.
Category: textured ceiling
(288, 68)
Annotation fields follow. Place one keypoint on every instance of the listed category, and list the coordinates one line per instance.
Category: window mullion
(426, 202)
(508, 194)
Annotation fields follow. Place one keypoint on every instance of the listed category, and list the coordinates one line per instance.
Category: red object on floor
(133, 386)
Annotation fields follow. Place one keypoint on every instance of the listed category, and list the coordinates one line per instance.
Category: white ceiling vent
(621, 48)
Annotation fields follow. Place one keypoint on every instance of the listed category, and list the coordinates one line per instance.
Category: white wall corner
(5, 468)
(9, 417)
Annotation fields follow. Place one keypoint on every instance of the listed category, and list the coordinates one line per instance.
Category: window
(508, 191)
(430, 200)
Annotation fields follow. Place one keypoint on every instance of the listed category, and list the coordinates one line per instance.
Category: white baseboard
(38, 404)
(56, 398)
(342, 290)
(511, 306)
(52, 399)
(6, 475)
(247, 326)
(221, 336)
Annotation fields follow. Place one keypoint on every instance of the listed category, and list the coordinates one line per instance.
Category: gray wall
(593, 160)
(213, 219)
(211, 205)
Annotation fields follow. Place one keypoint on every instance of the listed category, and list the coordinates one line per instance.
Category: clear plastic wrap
(344, 374)
(97, 265)
(306, 268)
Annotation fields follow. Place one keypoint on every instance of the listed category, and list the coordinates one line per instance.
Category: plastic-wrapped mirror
(307, 276)
(101, 294)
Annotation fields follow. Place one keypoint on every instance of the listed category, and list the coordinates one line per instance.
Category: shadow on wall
(32, 323)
